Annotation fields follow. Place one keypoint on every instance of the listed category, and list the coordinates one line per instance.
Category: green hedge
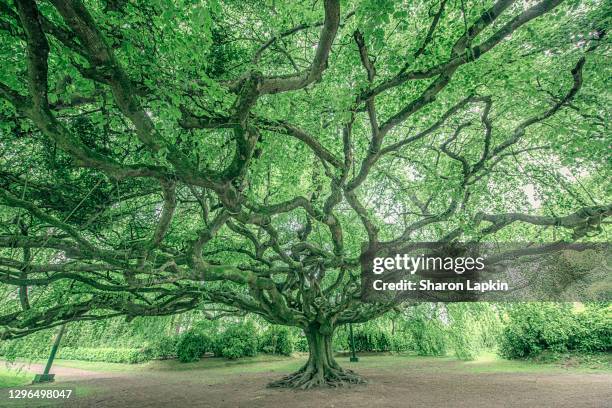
(111, 355)
(532, 328)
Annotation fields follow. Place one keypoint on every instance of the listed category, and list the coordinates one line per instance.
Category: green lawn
(490, 362)
(13, 378)
(486, 362)
(210, 371)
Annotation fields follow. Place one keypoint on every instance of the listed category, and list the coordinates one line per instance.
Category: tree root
(307, 378)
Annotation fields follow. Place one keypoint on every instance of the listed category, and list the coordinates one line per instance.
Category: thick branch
(319, 63)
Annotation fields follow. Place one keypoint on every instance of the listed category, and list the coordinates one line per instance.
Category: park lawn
(14, 378)
(491, 363)
(486, 362)
(212, 371)
(96, 366)
(20, 378)
(213, 366)
(79, 390)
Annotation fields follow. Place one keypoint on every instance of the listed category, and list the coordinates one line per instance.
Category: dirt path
(404, 385)
(66, 373)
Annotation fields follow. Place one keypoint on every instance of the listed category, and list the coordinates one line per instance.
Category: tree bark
(321, 369)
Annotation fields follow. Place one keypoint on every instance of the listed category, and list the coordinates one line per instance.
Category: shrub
(164, 347)
(26, 347)
(428, 335)
(593, 331)
(277, 340)
(536, 327)
(301, 343)
(466, 344)
(400, 343)
(340, 340)
(382, 341)
(191, 346)
(238, 340)
(361, 341)
(107, 354)
(370, 339)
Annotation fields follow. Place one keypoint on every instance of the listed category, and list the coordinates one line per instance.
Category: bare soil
(406, 384)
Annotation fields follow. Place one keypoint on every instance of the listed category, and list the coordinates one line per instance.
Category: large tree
(162, 155)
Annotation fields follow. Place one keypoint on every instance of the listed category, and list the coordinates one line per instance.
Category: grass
(97, 366)
(14, 378)
(212, 370)
(211, 363)
(78, 391)
(20, 378)
(485, 363)
(491, 363)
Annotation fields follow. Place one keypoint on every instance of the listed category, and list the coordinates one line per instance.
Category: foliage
(401, 343)
(473, 328)
(532, 328)
(371, 341)
(164, 347)
(154, 335)
(238, 340)
(277, 340)
(593, 331)
(429, 329)
(429, 336)
(144, 153)
(301, 343)
(191, 346)
(177, 160)
(110, 355)
(29, 347)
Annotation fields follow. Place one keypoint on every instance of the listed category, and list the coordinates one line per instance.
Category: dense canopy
(160, 156)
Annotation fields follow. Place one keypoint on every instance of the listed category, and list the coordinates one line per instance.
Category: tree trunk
(321, 368)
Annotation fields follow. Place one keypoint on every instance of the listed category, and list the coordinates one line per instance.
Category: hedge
(107, 354)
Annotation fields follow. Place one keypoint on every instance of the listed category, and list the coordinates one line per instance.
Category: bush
(400, 343)
(532, 328)
(466, 344)
(33, 346)
(107, 354)
(593, 331)
(301, 343)
(277, 340)
(238, 340)
(370, 340)
(191, 346)
(472, 328)
(428, 335)
(164, 347)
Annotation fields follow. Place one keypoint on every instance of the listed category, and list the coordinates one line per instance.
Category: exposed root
(307, 377)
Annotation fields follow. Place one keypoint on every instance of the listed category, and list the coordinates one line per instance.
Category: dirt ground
(418, 383)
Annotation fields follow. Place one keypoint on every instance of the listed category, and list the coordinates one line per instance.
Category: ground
(393, 381)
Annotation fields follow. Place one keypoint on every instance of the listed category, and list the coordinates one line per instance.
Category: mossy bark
(321, 369)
